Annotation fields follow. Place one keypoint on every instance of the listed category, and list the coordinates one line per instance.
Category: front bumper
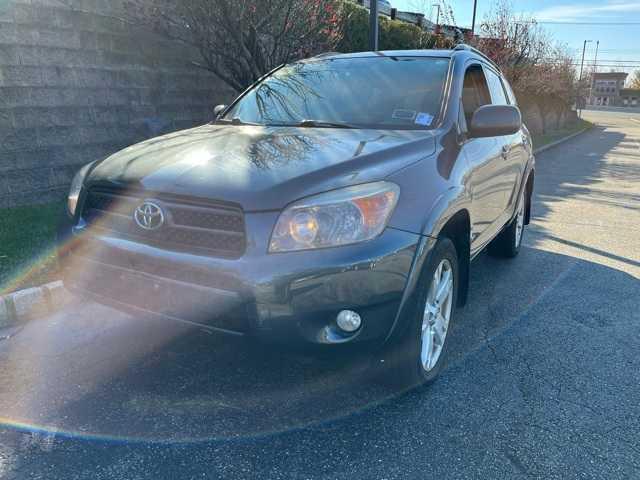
(290, 297)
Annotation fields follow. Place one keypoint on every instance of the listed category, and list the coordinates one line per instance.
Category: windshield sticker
(403, 114)
(424, 119)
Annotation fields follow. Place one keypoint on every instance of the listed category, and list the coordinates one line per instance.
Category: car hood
(261, 168)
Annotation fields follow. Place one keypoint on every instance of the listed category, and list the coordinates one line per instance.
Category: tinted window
(372, 92)
(510, 94)
(498, 97)
(475, 92)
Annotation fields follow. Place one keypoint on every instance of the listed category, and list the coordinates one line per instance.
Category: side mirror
(495, 120)
(218, 109)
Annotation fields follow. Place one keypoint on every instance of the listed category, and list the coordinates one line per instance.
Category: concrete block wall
(532, 117)
(77, 83)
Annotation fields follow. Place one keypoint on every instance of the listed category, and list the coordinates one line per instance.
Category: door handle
(505, 151)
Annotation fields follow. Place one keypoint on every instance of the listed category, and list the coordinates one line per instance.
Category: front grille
(214, 228)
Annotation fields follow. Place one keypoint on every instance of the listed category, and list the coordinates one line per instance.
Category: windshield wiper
(303, 123)
(322, 124)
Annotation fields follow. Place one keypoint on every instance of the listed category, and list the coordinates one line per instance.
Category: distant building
(630, 97)
(450, 31)
(384, 7)
(416, 19)
(606, 88)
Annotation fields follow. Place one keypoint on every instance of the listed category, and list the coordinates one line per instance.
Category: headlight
(76, 187)
(340, 217)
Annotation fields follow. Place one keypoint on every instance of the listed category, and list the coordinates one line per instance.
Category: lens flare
(47, 377)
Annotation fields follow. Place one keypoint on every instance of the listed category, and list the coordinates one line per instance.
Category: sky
(617, 42)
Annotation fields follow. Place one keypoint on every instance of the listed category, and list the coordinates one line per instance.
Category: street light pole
(437, 5)
(473, 20)
(373, 25)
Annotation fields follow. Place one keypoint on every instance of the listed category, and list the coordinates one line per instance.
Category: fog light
(349, 321)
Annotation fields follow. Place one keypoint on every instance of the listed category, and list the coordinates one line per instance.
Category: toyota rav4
(339, 200)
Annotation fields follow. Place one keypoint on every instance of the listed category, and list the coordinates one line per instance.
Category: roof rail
(326, 54)
(464, 46)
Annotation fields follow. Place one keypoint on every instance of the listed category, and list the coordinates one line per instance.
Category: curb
(30, 303)
(559, 141)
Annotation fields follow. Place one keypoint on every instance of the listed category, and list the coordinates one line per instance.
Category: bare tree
(429, 8)
(540, 71)
(241, 40)
(514, 42)
(635, 80)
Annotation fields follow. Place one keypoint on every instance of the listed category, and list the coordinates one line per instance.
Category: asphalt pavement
(543, 380)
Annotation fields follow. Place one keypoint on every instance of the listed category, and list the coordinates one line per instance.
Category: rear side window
(498, 95)
(475, 92)
(510, 94)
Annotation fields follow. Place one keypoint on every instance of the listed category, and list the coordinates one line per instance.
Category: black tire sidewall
(407, 352)
(504, 245)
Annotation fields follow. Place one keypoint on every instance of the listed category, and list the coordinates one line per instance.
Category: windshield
(371, 92)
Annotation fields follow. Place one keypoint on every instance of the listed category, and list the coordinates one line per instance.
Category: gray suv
(337, 202)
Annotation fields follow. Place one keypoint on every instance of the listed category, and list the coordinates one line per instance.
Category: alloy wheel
(520, 220)
(436, 316)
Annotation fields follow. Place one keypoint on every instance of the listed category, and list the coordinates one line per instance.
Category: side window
(498, 96)
(510, 94)
(475, 92)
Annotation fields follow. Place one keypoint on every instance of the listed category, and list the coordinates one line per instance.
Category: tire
(507, 243)
(406, 356)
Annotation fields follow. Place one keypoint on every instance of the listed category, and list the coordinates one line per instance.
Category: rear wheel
(507, 243)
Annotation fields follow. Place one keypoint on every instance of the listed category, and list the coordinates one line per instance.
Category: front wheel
(419, 354)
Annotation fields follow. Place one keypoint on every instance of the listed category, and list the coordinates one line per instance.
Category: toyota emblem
(148, 215)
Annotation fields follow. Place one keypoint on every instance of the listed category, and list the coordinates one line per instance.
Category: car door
(486, 165)
(519, 153)
(513, 149)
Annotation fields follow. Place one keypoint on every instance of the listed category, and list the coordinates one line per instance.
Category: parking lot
(544, 380)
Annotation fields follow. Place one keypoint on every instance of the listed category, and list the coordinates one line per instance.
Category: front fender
(445, 207)
(448, 204)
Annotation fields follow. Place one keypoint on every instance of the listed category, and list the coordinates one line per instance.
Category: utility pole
(579, 100)
(437, 29)
(584, 47)
(473, 20)
(593, 74)
(373, 25)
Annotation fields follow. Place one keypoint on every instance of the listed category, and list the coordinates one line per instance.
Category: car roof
(433, 53)
(388, 53)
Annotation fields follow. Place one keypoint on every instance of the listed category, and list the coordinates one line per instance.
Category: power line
(604, 60)
(614, 50)
(599, 65)
(552, 22)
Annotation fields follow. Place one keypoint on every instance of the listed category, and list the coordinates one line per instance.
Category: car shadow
(147, 380)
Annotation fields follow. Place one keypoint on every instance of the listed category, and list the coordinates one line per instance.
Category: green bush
(394, 34)
(356, 28)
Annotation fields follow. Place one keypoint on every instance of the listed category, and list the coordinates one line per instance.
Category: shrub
(394, 34)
